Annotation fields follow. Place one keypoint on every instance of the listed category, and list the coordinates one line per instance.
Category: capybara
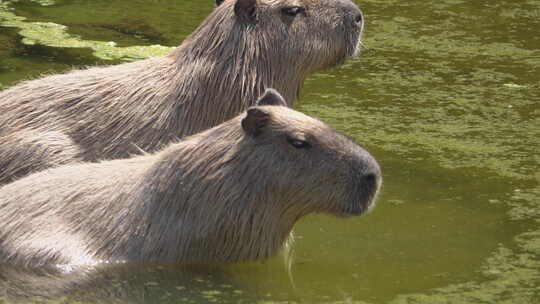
(230, 193)
(243, 47)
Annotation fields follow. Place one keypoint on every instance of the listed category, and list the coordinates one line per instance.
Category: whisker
(361, 43)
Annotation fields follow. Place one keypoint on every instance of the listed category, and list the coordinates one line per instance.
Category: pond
(446, 96)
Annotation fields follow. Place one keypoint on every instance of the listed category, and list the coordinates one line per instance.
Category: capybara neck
(234, 67)
(223, 214)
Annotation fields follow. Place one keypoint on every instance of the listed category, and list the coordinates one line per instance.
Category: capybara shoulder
(231, 193)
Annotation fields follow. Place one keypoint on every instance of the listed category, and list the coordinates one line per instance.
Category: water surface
(446, 97)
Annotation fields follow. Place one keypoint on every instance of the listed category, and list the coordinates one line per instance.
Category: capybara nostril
(372, 182)
(353, 13)
(370, 179)
(359, 19)
(370, 171)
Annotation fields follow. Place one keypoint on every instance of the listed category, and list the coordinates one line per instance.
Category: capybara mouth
(358, 48)
(355, 37)
(361, 207)
(356, 209)
(354, 45)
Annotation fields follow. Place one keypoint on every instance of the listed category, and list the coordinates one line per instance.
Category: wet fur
(116, 111)
(223, 195)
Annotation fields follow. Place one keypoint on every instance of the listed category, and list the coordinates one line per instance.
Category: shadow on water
(136, 22)
(20, 61)
(124, 283)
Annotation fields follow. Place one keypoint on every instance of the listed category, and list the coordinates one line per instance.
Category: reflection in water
(125, 283)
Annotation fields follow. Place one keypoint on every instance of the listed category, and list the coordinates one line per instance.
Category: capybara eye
(292, 10)
(298, 143)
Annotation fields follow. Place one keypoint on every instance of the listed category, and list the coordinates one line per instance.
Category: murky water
(447, 98)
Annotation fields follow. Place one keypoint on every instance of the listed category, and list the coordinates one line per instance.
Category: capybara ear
(271, 97)
(256, 119)
(246, 9)
(218, 2)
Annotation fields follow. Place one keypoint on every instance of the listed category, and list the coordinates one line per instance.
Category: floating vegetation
(56, 35)
(44, 2)
(448, 90)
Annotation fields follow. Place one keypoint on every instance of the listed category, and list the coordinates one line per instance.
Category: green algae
(464, 107)
(125, 22)
(513, 277)
(44, 2)
(514, 86)
(464, 111)
(55, 35)
(429, 90)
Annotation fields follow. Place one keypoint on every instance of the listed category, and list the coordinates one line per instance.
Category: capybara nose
(370, 179)
(371, 182)
(372, 176)
(354, 13)
(359, 19)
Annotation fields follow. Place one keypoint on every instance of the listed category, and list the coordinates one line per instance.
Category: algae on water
(45, 2)
(56, 35)
(445, 90)
(442, 95)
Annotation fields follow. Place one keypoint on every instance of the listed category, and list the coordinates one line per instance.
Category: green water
(446, 97)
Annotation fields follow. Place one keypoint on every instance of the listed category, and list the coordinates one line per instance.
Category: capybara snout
(353, 14)
(366, 182)
(327, 170)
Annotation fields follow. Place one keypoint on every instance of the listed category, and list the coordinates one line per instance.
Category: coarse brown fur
(112, 112)
(231, 193)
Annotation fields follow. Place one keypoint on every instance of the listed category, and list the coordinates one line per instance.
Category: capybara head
(308, 164)
(307, 34)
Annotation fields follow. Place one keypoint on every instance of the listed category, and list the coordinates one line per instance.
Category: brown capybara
(243, 47)
(231, 193)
